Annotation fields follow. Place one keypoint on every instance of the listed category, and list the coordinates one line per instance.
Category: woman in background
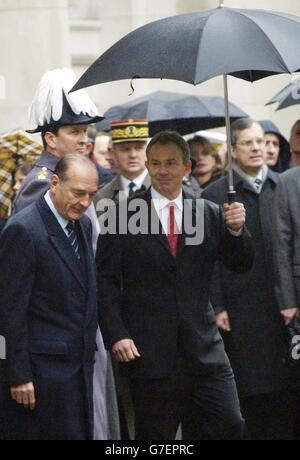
(208, 165)
(18, 177)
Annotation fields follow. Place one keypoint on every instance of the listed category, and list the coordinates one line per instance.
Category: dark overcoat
(48, 316)
(256, 345)
(157, 300)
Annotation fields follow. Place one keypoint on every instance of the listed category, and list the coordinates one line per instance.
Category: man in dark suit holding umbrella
(154, 301)
(48, 313)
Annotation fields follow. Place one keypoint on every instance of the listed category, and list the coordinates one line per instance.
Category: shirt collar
(138, 180)
(61, 220)
(164, 201)
(262, 175)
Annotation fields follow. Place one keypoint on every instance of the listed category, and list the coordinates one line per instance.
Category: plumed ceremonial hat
(53, 106)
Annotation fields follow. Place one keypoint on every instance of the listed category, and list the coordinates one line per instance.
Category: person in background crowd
(105, 174)
(20, 174)
(286, 240)
(129, 138)
(278, 155)
(103, 149)
(245, 304)
(295, 144)
(208, 166)
(18, 177)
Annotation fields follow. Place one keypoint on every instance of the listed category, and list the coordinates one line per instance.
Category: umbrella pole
(231, 192)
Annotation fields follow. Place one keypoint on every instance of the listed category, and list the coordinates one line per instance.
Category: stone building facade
(38, 35)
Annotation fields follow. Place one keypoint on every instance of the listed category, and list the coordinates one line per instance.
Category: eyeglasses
(248, 144)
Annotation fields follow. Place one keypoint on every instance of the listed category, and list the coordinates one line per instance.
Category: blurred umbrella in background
(288, 96)
(184, 113)
(15, 148)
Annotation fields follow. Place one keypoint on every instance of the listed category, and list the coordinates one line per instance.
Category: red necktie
(172, 234)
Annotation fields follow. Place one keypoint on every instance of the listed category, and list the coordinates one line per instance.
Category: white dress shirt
(61, 220)
(161, 205)
(138, 182)
(260, 177)
(90, 213)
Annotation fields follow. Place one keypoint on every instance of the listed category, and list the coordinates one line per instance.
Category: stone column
(34, 39)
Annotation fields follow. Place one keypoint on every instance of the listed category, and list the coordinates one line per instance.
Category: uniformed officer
(63, 120)
(129, 140)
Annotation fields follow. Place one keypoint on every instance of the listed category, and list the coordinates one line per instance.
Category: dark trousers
(160, 405)
(60, 413)
(271, 416)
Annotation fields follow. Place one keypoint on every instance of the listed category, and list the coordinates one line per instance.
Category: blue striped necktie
(73, 238)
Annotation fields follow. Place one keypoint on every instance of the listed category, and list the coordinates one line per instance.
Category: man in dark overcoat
(246, 307)
(287, 262)
(48, 311)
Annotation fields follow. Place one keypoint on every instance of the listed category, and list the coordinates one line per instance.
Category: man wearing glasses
(245, 305)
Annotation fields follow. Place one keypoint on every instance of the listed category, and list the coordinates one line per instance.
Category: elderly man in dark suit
(63, 121)
(246, 307)
(154, 299)
(48, 313)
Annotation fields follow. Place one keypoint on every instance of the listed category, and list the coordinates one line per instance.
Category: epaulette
(43, 174)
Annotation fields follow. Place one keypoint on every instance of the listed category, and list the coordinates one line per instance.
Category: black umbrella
(249, 44)
(165, 110)
(289, 95)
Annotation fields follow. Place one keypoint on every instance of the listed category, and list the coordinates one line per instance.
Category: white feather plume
(48, 101)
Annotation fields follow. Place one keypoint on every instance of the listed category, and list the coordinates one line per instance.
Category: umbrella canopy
(18, 145)
(165, 110)
(248, 44)
(288, 96)
(15, 147)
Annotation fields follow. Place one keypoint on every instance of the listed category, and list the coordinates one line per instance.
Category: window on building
(85, 9)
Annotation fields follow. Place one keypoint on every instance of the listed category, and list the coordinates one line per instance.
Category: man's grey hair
(69, 161)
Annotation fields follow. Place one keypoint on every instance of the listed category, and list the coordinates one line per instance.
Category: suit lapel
(60, 242)
(90, 272)
(116, 188)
